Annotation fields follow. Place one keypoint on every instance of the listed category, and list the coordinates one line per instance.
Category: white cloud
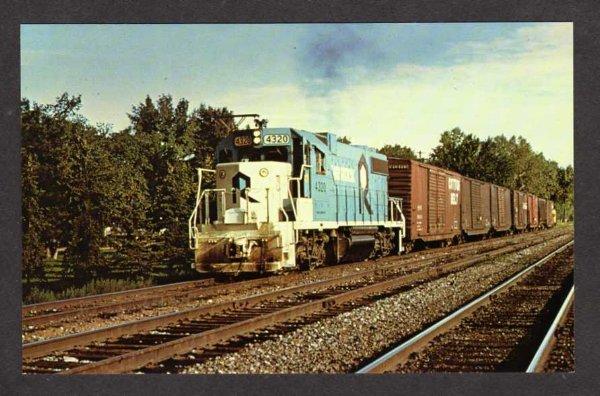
(519, 85)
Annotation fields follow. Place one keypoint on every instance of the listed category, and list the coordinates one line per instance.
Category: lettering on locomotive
(240, 141)
(341, 173)
(276, 139)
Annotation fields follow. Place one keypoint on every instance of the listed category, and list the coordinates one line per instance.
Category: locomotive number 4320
(276, 139)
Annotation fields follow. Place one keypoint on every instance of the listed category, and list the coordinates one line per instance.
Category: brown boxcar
(475, 206)
(430, 199)
(532, 211)
(519, 210)
(500, 208)
(546, 216)
(543, 212)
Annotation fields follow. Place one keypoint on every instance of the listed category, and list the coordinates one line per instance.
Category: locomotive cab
(244, 223)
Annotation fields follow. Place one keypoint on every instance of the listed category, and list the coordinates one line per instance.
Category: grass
(58, 286)
(96, 286)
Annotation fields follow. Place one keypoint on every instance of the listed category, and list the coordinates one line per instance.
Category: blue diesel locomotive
(287, 198)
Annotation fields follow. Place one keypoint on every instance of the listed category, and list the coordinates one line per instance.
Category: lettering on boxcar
(454, 198)
(453, 184)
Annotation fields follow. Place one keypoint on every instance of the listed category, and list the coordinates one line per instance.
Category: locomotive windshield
(264, 154)
(279, 153)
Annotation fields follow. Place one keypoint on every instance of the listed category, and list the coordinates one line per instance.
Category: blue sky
(376, 83)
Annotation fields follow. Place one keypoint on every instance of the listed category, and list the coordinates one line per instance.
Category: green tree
(175, 142)
(495, 163)
(565, 193)
(95, 188)
(398, 151)
(207, 131)
(459, 152)
(72, 186)
(509, 162)
(32, 220)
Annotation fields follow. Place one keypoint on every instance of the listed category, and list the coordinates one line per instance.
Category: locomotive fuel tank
(357, 246)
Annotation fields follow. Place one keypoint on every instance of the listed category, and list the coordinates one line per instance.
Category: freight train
(286, 198)
(444, 207)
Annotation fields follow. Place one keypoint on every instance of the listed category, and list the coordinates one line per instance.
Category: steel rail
(144, 300)
(45, 306)
(140, 298)
(539, 359)
(139, 358)
(394, 357)
(42, 348)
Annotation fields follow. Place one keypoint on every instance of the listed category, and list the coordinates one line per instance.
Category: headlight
(256, 133)
(264, 172)
(256, 140)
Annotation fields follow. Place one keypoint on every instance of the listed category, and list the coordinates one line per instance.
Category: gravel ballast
(341, 343)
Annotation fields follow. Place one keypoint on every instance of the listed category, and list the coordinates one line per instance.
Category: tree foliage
(171, 143)
(398, 151)
(79, 180)
(509, 162)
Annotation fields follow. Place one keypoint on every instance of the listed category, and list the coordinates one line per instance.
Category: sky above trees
(374, 83)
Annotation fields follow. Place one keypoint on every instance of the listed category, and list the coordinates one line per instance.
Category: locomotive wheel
(311, 253)
(384, 244)
(389, 246)
(314, 261)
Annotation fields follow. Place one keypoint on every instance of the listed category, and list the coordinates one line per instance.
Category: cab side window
(320, 160)
(225, 155)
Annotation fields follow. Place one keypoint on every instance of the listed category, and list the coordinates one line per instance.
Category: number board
(275, 139)
(243, 140)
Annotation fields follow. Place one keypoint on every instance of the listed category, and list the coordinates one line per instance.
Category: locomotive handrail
(397, 202)
(267, 203)
(192, 221)
(297, 180)
(205, 194)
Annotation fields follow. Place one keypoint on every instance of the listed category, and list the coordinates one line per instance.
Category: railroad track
(131, 346)
(48, 312)
(556, 351)
(54, 313)
(508, 328)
